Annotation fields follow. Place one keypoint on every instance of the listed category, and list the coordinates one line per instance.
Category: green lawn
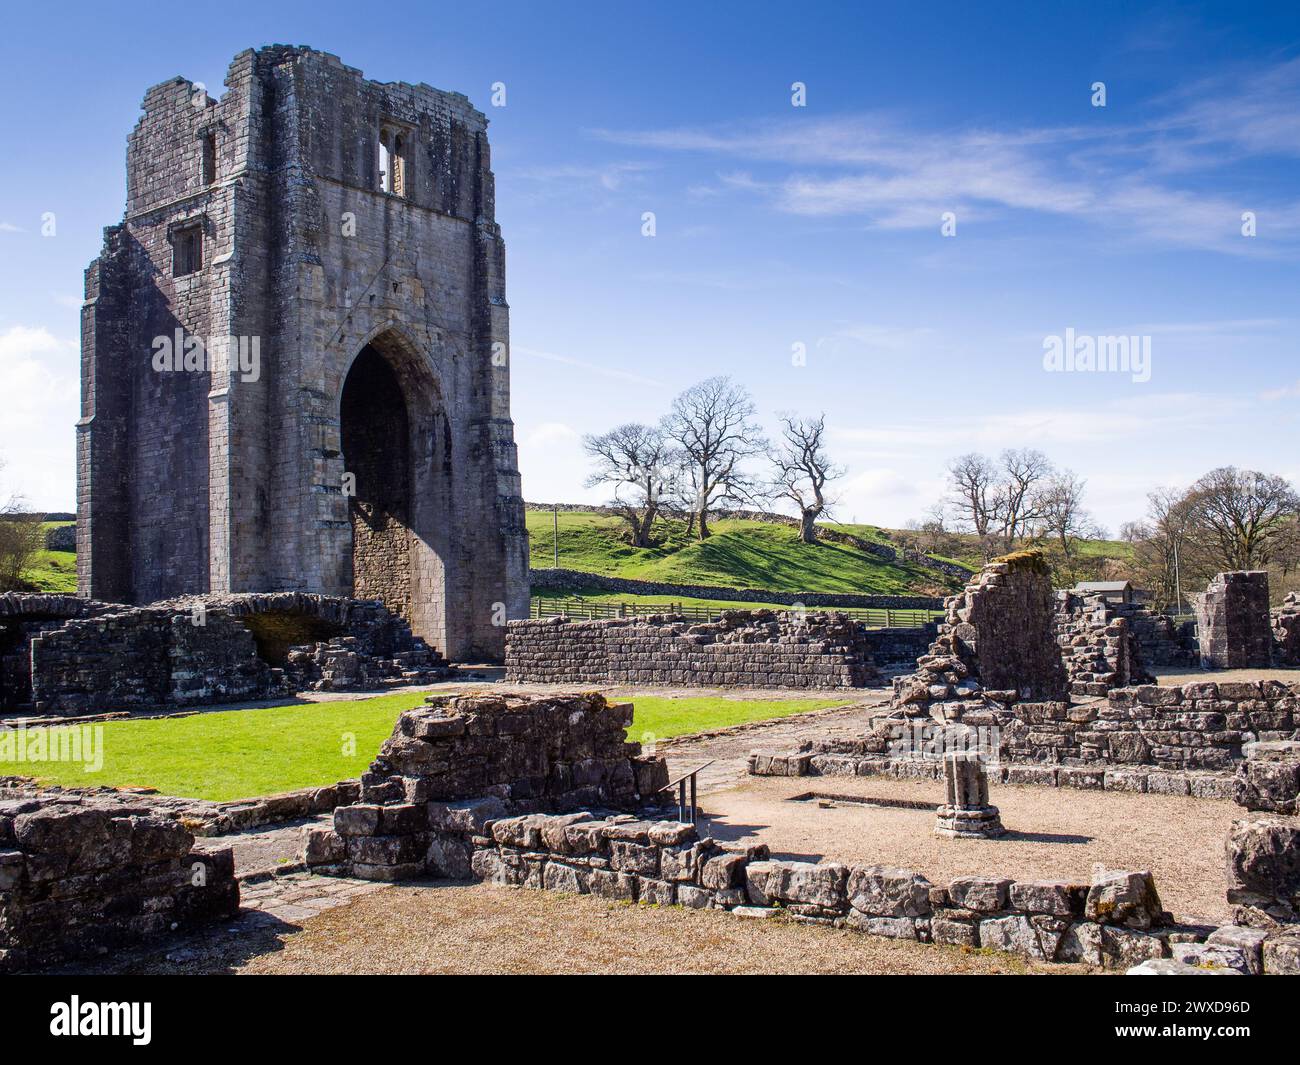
(238, 754)
(660, 718)
(739, 554)
(53, 571)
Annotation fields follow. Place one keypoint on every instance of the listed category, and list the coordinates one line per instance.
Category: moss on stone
(1033, 559)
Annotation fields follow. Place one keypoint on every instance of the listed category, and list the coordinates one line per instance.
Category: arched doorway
(376, 439)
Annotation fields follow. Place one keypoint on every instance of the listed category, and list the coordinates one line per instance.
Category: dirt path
(479, 928)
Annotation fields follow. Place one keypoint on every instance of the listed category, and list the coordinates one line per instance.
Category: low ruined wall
(1098, 645)
(62, 655)
(1195, 726)
(563, 580)
(997, 642)
(145, 657)
(81, 877)
(1286, 631)
(517, 753)
(1177, 740)
(1115, 921)
(760, 649)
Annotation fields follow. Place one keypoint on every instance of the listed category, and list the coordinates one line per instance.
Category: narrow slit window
(187, 251)
(209, 158)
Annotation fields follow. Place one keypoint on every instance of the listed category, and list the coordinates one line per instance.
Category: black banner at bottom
(144, 1015)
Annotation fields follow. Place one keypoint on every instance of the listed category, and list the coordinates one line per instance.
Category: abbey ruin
(295, 372)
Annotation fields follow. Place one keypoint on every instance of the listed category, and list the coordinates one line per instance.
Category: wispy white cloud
(587, 367)
(1131, 179)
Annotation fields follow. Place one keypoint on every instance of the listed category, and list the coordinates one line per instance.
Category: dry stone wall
(564, 580)
(81, 877)
(759, 649)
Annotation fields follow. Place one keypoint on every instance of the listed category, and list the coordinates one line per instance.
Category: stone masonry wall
(209, 649)
(1116, 920)
(995, 647)
(1286, 631)
(483, 787)
(758, 649)
(1098, 645)
(516, 753)
(82, 877)
(1172, 740)
(1233, 625)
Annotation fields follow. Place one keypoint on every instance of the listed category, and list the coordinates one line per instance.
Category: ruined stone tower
(331, 242)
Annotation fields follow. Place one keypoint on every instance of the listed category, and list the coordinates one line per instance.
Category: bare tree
(1062, 516)
(21, 536)
(1239, 517)
(638, 461)
(802, 470)
(1024, 475)
(974, 496)
(1162, 561)
(713, 423)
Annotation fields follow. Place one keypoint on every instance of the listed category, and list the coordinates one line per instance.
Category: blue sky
(775, 225)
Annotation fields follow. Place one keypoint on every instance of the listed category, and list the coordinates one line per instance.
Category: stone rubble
(82, 876)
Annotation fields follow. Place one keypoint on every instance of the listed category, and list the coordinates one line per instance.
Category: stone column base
(968, 822)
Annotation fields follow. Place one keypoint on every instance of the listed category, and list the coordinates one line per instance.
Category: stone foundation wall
(513, 754)
(145, 657)
(1177, 740)
(82, 877)
(22, 616)
(1116, 920)
(758, 649)
(200, 650)
(1233, 625)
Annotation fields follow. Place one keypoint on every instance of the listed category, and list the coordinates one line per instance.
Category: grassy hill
(739, 554)
(53, 571)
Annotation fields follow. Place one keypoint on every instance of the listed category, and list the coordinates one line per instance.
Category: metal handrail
(680, 784)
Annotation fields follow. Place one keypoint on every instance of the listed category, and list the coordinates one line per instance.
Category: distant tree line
(1229, 519)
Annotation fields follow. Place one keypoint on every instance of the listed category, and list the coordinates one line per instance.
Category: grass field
(739, 554)
(53, 571)
(238, 754)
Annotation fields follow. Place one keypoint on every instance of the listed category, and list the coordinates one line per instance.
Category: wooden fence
(590, 610)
